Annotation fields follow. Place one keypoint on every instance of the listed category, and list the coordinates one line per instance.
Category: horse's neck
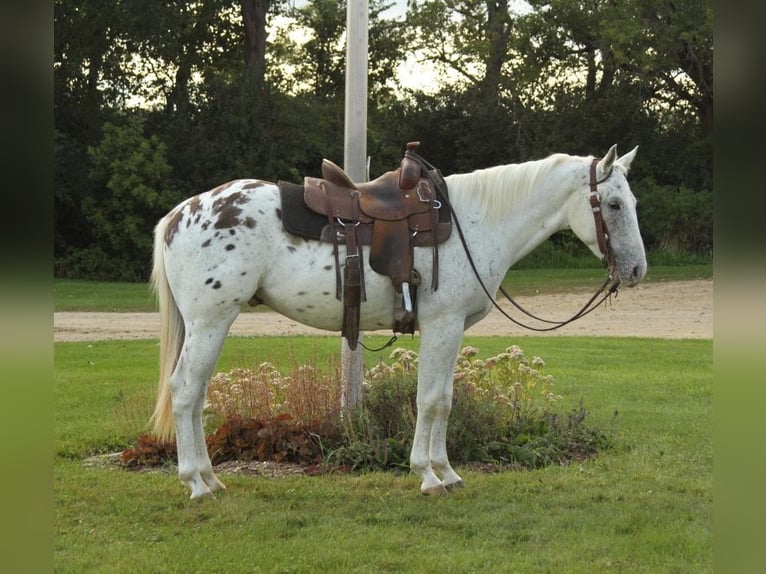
(527, 218)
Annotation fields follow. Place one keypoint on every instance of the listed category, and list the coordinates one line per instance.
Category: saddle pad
(297, 218)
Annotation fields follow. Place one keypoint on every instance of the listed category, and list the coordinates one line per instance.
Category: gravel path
(672, 310)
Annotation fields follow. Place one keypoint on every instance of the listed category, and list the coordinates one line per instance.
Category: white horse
(225, 247)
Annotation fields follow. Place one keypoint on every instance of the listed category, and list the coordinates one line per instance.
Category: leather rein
(605, 291)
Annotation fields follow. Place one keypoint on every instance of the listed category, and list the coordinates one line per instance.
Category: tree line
(157, 100)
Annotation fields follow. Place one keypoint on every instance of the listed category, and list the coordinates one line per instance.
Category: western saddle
(392, 214)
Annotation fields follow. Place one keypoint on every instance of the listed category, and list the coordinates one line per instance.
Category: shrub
(504, 412)
(675, 219)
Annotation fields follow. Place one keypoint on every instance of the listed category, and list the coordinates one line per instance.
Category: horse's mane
(501, 189)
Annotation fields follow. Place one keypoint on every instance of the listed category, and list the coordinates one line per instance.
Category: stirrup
(406, 296)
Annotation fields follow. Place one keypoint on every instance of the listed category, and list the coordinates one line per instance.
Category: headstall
(602, 233)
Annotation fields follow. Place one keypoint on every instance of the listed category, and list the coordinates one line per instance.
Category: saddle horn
(410, 171)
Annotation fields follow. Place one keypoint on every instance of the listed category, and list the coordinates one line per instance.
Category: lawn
(645, 505)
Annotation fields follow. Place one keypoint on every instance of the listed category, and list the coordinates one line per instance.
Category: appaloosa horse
(222, 248)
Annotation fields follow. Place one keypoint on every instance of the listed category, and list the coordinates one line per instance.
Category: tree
(174, 41)
(254, 20)
(224, 101)
(469, 37)
(110, 59)
(682, 36)
(319, 62)
(86, 50)
(663, 49)
(133, 169)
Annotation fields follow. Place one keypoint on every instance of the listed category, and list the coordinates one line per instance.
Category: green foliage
(95, 263)
(378, 433)
(167, 109)
(676, 219)
(504, 412)
(133, 170)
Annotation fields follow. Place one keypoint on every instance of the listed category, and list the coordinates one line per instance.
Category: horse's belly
(308, 295)
(328, 315)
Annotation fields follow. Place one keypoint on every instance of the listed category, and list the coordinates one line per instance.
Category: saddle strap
(352, 291)
(335, 228)
(353, 278)
(434, 250)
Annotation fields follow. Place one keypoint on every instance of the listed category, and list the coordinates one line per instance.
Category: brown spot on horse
(253, 185)
(195, 204)
(228, 211)
(221, 188)
(172, 228)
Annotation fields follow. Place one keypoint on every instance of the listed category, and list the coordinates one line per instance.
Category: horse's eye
(614, 205)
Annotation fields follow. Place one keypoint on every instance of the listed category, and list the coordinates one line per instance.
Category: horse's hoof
(215, 485)
(438, 490)
(202, 496)
(458, 484)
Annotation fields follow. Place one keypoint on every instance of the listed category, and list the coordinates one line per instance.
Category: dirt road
(672, 310)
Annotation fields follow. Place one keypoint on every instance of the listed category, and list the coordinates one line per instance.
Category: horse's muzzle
(633, 275)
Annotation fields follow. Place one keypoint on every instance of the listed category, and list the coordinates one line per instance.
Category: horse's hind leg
(204, 465)
(189, 383)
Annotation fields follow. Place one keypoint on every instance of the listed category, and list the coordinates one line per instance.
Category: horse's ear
(627, 159)
(604, 166)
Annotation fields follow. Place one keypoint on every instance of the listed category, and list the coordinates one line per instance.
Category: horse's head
(603, 215)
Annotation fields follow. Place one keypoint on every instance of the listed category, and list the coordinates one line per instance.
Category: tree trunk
(702, 76)
(254, 21)
(498, 33)
(178, 98)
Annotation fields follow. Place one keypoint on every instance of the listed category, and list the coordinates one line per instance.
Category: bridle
(608, 287)
(602, 234)
(605, 291)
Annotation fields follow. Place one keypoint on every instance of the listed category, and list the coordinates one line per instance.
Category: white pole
(355, 161)
(355, 123)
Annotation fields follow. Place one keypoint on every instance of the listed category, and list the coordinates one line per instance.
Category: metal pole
(355, 161)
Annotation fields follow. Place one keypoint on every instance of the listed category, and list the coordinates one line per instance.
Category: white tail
(171, 337)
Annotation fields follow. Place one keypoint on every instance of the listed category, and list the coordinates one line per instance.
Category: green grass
(643, 506)
(77, 295)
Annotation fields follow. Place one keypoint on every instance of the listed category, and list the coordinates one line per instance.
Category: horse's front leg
(439, 461)
(439, 347)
